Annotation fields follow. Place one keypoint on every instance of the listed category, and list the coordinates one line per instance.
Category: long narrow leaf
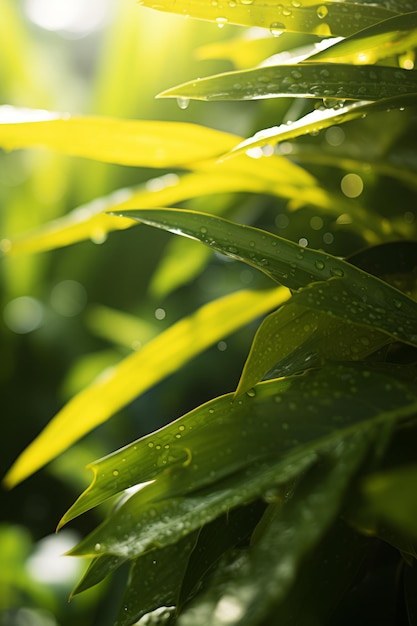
(346, 292)
(320, 18)
(126, 142)
(390, 37)
(332, 82)
(288, 418)
(267, 571)
(323, 118)
(138, 372)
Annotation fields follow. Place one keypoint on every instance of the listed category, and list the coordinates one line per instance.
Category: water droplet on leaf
(183, 103)
(276, 28)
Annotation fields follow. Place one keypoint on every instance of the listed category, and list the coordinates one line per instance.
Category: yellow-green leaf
(311, 16)
(126, 142)
(141, 370)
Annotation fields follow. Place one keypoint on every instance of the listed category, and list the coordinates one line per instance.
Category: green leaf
(323, 118)
(155, 581)
(288, 419)
(126, 142)
(345, 290)
(392, 495)
(320, 18)
(140, 371)
(323, 578)
(294, 338)
(267, 571)
(278, 177)
(334, 83)
(220, 536)
(390, 37)
(98, 570)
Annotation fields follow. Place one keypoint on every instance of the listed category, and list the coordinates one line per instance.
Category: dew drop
(336, 271)
(320, 265)
(322, 11)
(211, 411)
(97, 547)
(115, 472)
(150, 444)
(221, 21)
(251, 393)
(98, 236)
(397, 303)
(276, 28)
(183, 103)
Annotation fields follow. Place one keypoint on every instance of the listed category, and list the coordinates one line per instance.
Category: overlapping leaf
(139, 371)
(267, 571)
(323, 118)
(287, 419)
(155, 581)
(390, 37)
(346, 291)
(277, 177)
(295, 337)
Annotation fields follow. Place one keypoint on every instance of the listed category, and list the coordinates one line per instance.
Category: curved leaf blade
(282, 421)
(346, 291)
(320, 119)
(279, 177)
(110, 140)
(294, 338)
(139, 371)
(332, 82)
(155, 580)
(390, 37)
(268, 570)
(319, 18)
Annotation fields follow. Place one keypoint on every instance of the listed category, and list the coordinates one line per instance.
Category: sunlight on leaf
(332, 19)
(140, 371)
(323, 118)
(126, 142)
(390, 37)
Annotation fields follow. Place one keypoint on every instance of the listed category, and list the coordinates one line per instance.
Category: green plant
(266, 505)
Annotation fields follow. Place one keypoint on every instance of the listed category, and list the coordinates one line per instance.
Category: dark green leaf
(98, 570)
(155, 581)
(282, 425)
(393, 496)
(351, 294)
(333, 82)
(267, 571)
(294, 338)
(323, 578)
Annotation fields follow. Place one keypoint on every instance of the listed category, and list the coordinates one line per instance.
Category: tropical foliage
(286, 491)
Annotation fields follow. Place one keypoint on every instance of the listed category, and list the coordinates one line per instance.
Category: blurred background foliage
(70, 313)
